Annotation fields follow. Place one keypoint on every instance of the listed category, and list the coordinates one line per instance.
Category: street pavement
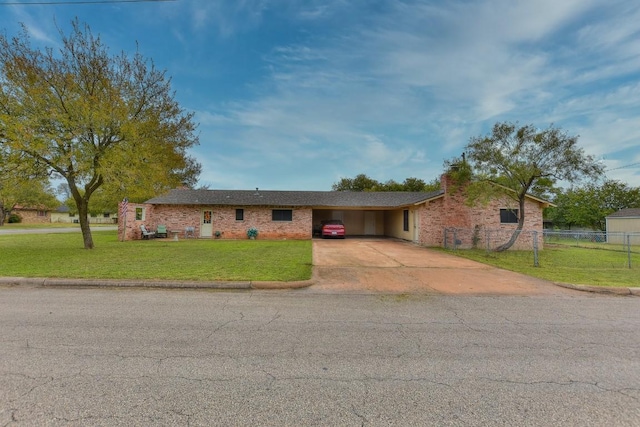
(103, 357)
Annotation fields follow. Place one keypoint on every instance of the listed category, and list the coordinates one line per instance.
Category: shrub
(14, 219)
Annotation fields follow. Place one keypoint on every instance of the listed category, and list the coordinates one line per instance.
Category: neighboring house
(622, 223)
(417, 217)
(64, 215)
(31, 215)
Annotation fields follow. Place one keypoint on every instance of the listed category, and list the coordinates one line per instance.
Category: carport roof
(316, 199)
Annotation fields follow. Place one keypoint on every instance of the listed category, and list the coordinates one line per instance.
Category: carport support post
(535, 249)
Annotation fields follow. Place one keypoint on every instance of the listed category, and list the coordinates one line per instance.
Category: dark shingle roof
(318, 199)
(624, 213)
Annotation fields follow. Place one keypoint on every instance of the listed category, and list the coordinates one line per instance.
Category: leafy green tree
(522, 159)
(362, 182)
(22, 186)
(589, 205)
(35, 193)
(97, 120)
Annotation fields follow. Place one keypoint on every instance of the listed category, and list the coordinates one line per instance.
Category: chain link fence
(607, 250)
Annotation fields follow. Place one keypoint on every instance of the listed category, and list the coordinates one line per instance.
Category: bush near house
(14, 219)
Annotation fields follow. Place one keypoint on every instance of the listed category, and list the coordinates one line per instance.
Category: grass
(566, 264)
(20, 226)
(62, 255)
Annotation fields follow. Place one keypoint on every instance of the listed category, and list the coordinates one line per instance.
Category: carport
(374, 214)
(357, 222)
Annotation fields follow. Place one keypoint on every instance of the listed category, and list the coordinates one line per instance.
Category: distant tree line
(588, 205)
(362, 182)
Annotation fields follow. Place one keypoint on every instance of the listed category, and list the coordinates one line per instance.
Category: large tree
(93, 119)
(524, 159)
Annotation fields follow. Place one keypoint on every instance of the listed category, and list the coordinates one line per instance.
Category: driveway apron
(395, 266)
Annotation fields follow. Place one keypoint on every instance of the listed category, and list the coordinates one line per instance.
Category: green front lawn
(566, 264)
(62, 255)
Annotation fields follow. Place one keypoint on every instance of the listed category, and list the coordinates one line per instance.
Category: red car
(332, 228)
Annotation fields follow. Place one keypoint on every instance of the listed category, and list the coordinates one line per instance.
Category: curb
(601, 290)
(160, 284)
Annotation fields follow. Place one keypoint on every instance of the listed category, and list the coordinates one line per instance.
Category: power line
(624, 167)
(68, 2)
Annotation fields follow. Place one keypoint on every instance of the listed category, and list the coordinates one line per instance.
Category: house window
(282, 215)
(239, 214)
(405, 220)
(139, 214)
(207, 217)
(508, 216)
(42, 213)
(107, 215)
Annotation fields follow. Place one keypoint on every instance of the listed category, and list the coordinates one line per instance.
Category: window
(508, 216)
(405, 220)
(139, 214)
(282, 215)
(42, 213)
(206, 217)
(239, 214)
(106, 215)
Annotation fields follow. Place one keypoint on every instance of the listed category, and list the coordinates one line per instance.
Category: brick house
(31, 214)
(412, 216)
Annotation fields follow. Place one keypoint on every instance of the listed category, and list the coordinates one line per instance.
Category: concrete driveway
(393, 266)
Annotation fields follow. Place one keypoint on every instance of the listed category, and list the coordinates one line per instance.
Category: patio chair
(146, 234)
(161, 231)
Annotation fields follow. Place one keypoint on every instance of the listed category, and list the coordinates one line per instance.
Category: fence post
(455, 239)
(488, 240)
(629, 249)
(535, 249)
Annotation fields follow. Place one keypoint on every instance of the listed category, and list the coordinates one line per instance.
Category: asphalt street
(86, 357)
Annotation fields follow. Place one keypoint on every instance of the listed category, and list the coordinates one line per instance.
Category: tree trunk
(82, 203)
(83, 213)
(517, 231)
(2, 215)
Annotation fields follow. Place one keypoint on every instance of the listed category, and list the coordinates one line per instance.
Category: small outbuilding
(622, 223)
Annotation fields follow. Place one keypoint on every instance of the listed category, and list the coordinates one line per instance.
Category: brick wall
(450, 211)
(129, 226)
(32, 216)
(223, 221)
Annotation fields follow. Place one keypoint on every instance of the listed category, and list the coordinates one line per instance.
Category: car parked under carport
(333, 228)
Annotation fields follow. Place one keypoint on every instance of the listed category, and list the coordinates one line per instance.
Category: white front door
(206, 226)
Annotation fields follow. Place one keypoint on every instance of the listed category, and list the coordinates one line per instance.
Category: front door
(206, 226)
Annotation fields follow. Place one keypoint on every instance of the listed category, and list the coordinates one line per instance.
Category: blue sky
(294, 95)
